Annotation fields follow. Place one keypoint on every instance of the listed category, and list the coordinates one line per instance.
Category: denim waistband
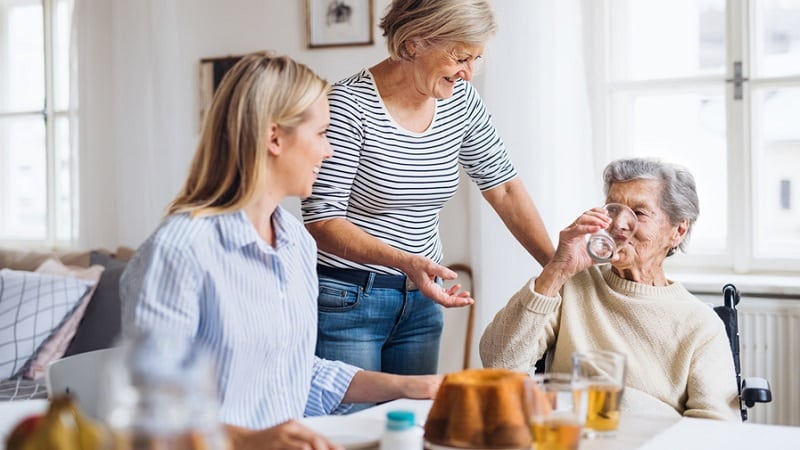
(362, 278)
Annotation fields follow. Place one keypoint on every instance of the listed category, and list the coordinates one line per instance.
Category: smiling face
(655, 235)
(299, 152)
(436, 69)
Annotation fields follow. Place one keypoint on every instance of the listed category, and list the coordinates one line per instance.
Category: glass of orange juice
(557, 404)
(604, 374)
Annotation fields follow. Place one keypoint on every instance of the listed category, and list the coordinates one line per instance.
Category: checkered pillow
(32, 307)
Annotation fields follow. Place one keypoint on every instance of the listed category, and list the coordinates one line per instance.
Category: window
(37, 156)
(715, 86)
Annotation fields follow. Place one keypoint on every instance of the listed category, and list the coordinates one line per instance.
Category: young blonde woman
(231, 269)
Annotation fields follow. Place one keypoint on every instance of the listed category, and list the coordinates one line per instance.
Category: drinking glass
(604, 374)
(602, 245)
(557, 411)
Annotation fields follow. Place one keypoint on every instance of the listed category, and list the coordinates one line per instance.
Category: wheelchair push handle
(731, 295)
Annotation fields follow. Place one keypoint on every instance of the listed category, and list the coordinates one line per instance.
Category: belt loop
(370, 280)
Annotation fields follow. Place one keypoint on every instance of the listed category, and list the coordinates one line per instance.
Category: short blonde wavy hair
(437, 23)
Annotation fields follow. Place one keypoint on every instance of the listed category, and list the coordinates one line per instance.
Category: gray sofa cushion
(101, 321)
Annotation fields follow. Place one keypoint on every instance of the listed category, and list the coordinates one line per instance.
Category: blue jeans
(380, 329)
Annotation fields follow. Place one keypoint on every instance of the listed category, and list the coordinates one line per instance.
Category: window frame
(739, 256)
(50, 115)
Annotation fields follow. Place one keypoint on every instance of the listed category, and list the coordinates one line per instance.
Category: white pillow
(32, 307)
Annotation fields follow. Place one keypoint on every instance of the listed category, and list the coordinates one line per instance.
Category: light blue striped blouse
(253, 306)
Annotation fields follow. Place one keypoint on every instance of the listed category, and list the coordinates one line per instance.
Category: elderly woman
(676, 346)
(401, 130)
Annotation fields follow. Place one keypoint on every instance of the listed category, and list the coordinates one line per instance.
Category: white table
(716, 435)
(640, 432)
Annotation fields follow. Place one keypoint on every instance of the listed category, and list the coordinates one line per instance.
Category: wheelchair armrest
(755, 390)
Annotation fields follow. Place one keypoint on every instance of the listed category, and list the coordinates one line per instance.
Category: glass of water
(602, 245)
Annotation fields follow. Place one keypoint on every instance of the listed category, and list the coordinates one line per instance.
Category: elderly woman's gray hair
(437, 22)
(678, 191)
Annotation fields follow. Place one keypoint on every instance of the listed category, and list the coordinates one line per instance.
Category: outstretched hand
(423, 273)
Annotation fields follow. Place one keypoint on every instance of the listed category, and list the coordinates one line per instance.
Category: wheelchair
(752, 390)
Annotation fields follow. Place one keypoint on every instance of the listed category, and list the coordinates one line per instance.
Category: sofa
(54, 305)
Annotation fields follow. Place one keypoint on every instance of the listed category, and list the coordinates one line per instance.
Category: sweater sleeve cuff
(538, 303)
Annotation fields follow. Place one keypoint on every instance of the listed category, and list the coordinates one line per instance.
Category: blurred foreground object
(161, 393)
(62, 427)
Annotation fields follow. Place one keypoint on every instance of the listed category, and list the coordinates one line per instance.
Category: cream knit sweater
(676, 346)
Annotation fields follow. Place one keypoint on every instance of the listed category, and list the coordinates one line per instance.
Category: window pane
(666, 39)
(776, 47)
(685, 128)
(62, 17)
(776, 157)
(21, 56)
(63, 180)
(23, 178)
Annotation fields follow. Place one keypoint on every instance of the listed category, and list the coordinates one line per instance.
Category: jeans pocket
(335, 296)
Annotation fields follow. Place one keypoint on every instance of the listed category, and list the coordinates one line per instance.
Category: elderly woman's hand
(571, 252)
(571, 256)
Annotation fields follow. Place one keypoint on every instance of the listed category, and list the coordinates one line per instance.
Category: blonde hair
(231, 159)
(437, 23)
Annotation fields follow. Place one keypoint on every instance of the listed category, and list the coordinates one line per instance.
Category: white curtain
(149, 115)
(133, 121)
(534, 82)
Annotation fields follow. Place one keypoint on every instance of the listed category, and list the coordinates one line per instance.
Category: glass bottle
(161, 394)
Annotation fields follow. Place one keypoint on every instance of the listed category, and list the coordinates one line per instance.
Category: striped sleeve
(329, 383)
(483, 153)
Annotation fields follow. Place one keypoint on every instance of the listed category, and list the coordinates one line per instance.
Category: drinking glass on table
(604, 374)
(557, 404)
(602, 245)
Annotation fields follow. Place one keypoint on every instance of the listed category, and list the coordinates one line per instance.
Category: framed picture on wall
(332, 23)
(211, 72)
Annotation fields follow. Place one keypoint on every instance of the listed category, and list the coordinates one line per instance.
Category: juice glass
(557, 411)
(604, 375)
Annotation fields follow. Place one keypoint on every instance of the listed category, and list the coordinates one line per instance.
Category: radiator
(769, 339)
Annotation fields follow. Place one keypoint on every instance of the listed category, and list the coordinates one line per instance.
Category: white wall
(135, 153)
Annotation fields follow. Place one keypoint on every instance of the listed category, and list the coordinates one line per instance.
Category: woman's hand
(290, 435)
(571, 251)
(423, 273)
(421, 386)
(571, 256)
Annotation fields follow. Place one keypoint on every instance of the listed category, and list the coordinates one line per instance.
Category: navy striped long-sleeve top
(392, 182)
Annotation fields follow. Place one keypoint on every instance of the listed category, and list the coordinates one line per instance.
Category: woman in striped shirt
(232, 270)
(400, 131)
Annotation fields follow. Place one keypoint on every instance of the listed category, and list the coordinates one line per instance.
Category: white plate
(350, 432)
(431, 446)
